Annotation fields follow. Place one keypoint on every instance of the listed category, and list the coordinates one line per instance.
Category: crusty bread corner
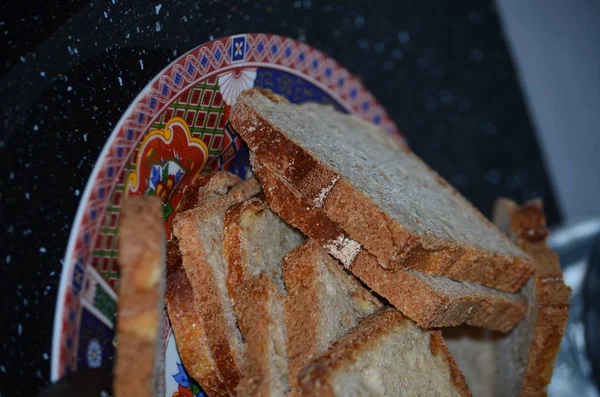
(418, 358)
(431, 301)
(199, 232)
(206, 187)
(139, 366)
(548, 298)
(499, 265)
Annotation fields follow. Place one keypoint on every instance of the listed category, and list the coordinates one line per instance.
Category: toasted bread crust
(314, 379)
(527, 227)
(141, 260)
(363, 220)
(411, 292)
(188, 326)
(204, 284)
(254, 319)
(233, 251)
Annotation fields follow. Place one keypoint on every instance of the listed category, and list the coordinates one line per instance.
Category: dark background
(442, 69)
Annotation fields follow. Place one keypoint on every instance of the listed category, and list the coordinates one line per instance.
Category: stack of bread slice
(332, 270)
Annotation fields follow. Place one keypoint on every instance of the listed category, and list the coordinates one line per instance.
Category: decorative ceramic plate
(177, 126)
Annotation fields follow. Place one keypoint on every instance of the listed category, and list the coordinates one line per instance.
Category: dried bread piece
(385, 355)
(140, 355)
(199, 232)
(522, 360)
(323, 302)
(431, 301)
(386, 199)
(187, 325)
(254, 242)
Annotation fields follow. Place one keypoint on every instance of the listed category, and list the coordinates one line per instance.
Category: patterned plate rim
(354, 94)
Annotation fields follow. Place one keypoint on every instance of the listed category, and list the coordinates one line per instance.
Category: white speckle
(403, 37)
(27, 196)
(141, 64)
(120, 81)
(45, 356)
(8, 259)
(137, 28)
(114, 1)
(157, 8)
(211, 37)
(35, 127)
(127, 36)
(3, 368)
(85, 137)
(43, 74)
(11, 176)
(343, 249)
(105, 14)
(43, 250)
(76, 192)
(22, 59)
(325, 192)
(52, 273)
(158, 27)
(26, 232)
(69, 88)
(19, 329)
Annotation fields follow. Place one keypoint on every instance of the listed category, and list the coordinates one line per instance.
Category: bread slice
(385, 355)
(522, 360)
(254, 242)
(386, 199)
(323, 302)
(527, 354)
(187, 325)
(139, 369)
(431, 301)
(199, 232)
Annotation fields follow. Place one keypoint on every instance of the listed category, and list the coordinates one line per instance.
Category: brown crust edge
(393, 245)
(406, 290)
(233, 251)
(188, 326)
(253, 315)
(526, 225)
(301, 305)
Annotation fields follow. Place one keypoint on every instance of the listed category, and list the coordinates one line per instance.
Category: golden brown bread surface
(403, 213)
(387, 355)
(140, 355)
(428, 300)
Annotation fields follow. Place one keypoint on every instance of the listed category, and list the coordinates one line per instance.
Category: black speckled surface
(70, 68)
